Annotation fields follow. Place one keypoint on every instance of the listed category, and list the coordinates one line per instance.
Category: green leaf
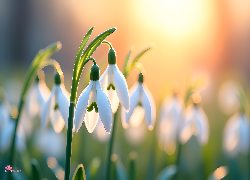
(35, 170)
(79, 173)
(120, 171)
(132, 167)
(94, 167)
(41, 56)
(83, 44)
(167, 173)
(91, 48)
(137, 58)
(126, 63)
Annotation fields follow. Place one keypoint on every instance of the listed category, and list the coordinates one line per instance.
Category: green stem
(179, 147)
(106, 42)
(12, 151)
(69, 140)
(111, 145)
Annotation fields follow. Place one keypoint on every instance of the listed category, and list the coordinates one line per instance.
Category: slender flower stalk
(82, 57)
(37, 64)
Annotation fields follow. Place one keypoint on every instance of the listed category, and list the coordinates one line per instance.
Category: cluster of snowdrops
(179, 118)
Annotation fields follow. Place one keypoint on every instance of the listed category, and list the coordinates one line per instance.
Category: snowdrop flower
(93, 104)
(142, 105)
(195, 123)
(6, 136)
(114, 84)
(171, 113)
(36, 98)
(229, 97)
(57, 107)
(136, 135)
(49, 142)
(236, 135)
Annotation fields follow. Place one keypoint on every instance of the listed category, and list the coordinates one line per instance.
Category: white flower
(136, 135)
(98, 105)
(114, 85)
(36, 98)
(93, 104)
(195, 123)
(142, 105)
(49, 142)
(57, 107)
(229, 97)
(6, 136)
(170, 116)
(236, 135)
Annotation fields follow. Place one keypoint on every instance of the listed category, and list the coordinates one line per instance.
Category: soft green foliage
(82, 56)
(94, 167)
(79, 173)
(127, 68)
(35, 170)
(167, 173)
(119, 169)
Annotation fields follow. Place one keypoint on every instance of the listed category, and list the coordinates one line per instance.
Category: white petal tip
(150, 128)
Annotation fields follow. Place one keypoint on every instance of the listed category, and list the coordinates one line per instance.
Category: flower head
(114, 84)
(195, 123)
(236, 135)
(36, 98)
(93, 104)
(57, 107)
(170, 116)
(142, 105)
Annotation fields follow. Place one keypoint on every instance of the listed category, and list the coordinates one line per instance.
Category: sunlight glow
(220, 172)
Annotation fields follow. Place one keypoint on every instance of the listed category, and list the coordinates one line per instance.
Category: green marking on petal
(56, 107)
(139, 104)
(92, 106)
(112, 86)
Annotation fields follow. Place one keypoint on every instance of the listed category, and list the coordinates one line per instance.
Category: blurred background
(192, 38)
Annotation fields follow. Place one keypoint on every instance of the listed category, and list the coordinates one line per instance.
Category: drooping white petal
(32, 104)
(82, 106)
(103, 79)
(92, 117)
(136, 135)
(137, 116)
(91, 120)
(202, 124)
(121, 87)
(149, 106)
(125, 125)
(48, 142)
(112, 95)
(63, 103)
(244, 134)
(231, 136)
(6, 135)
(42, 95)
(46, 108)
(134, 101)
(56, 119)
(188, 126)
(228, 97)
(104, 108)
